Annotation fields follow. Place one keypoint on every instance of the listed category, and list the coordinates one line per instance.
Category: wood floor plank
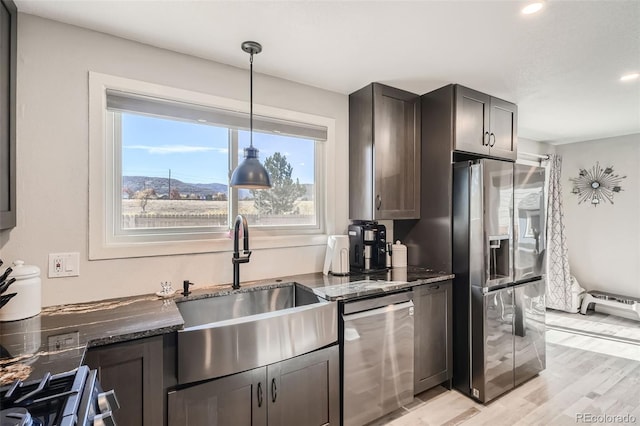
(575, 381)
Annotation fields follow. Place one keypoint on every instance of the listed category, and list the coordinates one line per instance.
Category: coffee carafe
(368, 246)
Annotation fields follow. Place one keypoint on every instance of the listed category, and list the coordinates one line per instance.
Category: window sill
(165, 248)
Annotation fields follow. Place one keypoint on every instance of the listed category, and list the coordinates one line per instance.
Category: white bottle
(399, 256)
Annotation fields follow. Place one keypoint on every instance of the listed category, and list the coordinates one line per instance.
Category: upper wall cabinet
(484, 125)
(384, 153)
(8, 34)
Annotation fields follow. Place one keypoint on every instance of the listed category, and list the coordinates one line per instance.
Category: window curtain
(559, 290)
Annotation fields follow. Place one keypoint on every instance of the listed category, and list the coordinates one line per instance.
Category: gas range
(65, 399)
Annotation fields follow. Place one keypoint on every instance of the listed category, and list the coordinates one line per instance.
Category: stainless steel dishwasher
(378, 356)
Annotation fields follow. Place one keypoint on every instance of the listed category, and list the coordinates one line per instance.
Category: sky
(198, 153)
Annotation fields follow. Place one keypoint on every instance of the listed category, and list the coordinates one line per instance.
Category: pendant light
(250, 173)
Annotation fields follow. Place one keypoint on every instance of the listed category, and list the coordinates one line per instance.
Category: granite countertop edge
(119, 338)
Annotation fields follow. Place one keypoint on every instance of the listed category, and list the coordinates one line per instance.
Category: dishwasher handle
(377, 302)
(378, 311)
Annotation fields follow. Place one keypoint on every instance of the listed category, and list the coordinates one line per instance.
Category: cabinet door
(529, 329)
(503, 130)
(472, 121)
(305, 390)
(134, 370)
(498, 344)
(433, 335)
(8, 36)
(236, 400)
(396, 141)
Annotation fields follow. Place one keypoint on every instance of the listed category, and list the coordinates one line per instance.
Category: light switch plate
(64, 265)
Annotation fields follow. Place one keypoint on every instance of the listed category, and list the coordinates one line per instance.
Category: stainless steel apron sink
(250, 328)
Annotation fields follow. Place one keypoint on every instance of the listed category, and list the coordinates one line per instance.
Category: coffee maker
(368, 246)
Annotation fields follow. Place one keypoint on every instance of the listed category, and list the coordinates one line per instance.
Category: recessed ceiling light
(629, 77)
(532, 8)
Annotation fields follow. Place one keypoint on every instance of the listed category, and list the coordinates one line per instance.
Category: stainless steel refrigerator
(498, 260)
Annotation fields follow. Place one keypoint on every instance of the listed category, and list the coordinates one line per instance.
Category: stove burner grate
(52, 400)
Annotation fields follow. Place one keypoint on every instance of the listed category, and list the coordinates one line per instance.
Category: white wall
(604, 241)
(52, 159)
(533, 147)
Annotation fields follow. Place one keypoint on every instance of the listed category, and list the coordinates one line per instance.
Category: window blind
(147, 105)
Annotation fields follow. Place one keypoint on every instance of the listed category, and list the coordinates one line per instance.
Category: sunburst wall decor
(596, 185)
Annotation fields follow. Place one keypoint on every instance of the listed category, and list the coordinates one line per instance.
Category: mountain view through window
(175, 173)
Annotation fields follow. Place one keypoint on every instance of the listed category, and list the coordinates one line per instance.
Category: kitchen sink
(250, 328)
(247, 303)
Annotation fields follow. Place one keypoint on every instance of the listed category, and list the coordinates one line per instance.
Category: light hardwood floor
(584, 375)
(597, 324)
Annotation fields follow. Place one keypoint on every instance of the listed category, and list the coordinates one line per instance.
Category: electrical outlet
(60, 342)
(58, 263)
(64, 265)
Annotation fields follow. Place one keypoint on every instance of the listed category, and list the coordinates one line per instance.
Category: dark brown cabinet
(304, 390)
(135, 371)
(484, 125)
(457, 124)
(384, 153)
(433, 342)
(239, 399)
(8, 35)
(299, 391)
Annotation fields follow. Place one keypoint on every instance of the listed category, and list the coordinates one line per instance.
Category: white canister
(399, 255)
(28, 301)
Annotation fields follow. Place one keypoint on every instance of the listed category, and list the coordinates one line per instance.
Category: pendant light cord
(251, 100)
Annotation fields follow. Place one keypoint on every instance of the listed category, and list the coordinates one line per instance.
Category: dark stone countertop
(370, 284)
(28, 347)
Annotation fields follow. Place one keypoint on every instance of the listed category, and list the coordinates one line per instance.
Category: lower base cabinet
(134, 370)
(433, 358)
(299, 391)
(239, 399)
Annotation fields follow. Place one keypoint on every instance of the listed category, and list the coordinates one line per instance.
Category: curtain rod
(530, 154)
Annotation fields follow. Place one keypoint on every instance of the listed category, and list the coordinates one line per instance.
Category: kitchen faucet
(239, 258)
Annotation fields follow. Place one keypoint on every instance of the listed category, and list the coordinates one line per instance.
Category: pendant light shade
(250, 173)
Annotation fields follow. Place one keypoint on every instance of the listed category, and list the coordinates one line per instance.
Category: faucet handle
(185, 287)
(241, 257)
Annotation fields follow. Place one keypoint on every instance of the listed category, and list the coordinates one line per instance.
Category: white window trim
(101, 178)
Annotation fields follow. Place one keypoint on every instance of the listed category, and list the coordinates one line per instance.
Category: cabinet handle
(274, 390)
(259, 394)
(378, 202)
(485, 140)
(491, 144)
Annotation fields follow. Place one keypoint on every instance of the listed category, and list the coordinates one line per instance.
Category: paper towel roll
(399, 256)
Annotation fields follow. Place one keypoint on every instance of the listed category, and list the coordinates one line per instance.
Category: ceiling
(562, 66)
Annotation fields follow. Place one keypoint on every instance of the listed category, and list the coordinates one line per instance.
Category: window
(164, 169)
